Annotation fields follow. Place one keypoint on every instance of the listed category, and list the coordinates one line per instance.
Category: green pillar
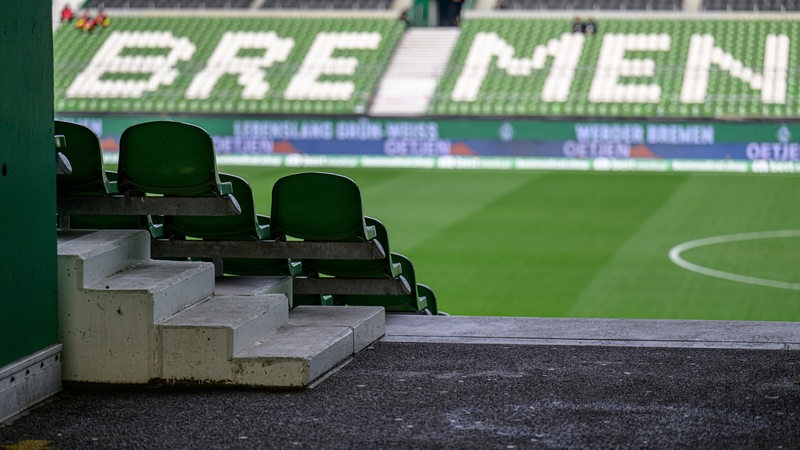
(28, 279)
(419, 14)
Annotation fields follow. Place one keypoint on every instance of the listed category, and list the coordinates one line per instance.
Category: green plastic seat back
(317, 206)
(394, 303)
(424, 290)
(169, 158)
(85, 154)
(247, 226)
(411, 302)
(363, 268)
(242, 227)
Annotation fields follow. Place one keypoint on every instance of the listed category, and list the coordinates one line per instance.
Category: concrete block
(199, 342)
(368, 323)
(98, 254)
(107, 329)
(293, 356)
(172, 285)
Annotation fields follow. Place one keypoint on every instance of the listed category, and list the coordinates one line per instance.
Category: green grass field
(565, 244)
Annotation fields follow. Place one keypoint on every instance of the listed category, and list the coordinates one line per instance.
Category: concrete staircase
(126, 318)
(410, 81)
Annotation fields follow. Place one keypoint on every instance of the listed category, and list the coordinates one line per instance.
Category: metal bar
(163, 248)
(120, 205)
(351, 286)
(63, 166)
(218, 269)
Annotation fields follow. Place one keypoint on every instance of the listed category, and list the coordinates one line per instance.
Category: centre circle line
(675, 257)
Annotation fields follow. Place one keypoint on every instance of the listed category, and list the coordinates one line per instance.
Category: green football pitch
(568, 244)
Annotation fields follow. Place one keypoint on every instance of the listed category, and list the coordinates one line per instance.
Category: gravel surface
(411, 395)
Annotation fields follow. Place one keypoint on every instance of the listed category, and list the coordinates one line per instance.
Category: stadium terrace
(606, 86)
(509, 67)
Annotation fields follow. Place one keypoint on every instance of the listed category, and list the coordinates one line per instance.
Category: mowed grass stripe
(533, 252)
(420, 206)
(642, 282)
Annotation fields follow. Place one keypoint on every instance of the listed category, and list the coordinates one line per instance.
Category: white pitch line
(675, 257)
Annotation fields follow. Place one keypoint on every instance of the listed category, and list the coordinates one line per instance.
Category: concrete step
(125, 318)
(313, 341)
(410, 81)
(95, 255)
(160, 288)
(368, 323)
(110, 297)
(198, 343)
(293, 356)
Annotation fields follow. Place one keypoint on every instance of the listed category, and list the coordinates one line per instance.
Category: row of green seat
(177, 159)
(508, 91)
(503, 92)
(121, 72)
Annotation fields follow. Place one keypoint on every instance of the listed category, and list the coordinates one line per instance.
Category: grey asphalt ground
(462, 396)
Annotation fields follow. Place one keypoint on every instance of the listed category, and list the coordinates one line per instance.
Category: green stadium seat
(89, 178)
(409, 303)
(84, 152)
(423, 290)
(168, 158)
(247, 226)
(318, 206)
(365, 268)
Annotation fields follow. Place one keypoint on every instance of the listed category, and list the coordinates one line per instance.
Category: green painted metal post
(28, 280)
(419, 13)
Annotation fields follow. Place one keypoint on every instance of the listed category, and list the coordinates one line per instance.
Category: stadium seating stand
(328, 4)
(170, 4)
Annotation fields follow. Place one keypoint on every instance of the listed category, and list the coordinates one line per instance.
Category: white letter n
(703, 52)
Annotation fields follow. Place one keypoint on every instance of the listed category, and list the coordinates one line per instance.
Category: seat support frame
(217, 250)
(122, 205)
(351, 286)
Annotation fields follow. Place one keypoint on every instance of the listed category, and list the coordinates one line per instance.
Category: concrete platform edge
(29, 381)
(596, 332)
